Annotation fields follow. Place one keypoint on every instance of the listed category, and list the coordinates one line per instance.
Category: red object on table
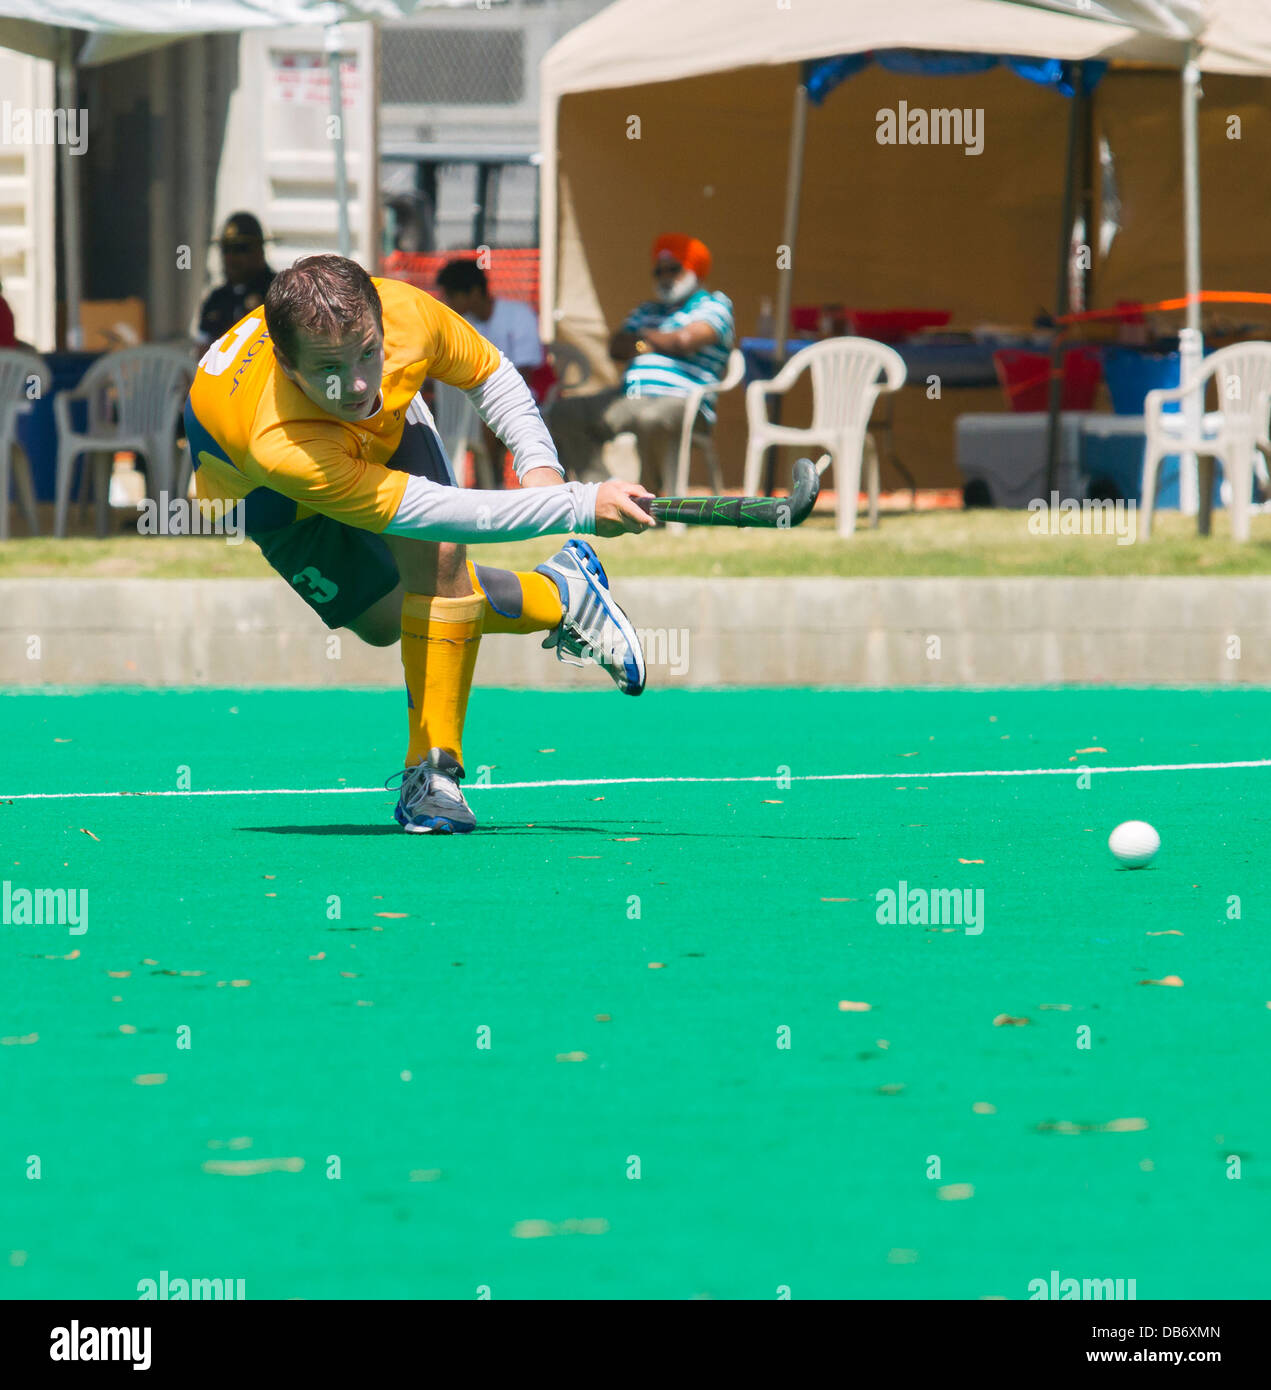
(893, 325)
(1025, 377)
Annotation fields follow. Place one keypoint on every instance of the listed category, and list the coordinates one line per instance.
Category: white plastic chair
(457, 423)
(572, 368)
(135, 398)
(1232, 433)
(846, 383)
(18, 370)
(695, 431)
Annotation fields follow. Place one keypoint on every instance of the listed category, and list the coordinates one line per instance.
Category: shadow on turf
(521, 828)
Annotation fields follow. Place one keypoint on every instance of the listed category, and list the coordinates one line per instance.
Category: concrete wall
(841, 632)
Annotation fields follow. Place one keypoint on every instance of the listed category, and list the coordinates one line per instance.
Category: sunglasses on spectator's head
(667, 267)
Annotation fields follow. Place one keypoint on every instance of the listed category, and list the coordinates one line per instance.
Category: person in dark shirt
(247, 277)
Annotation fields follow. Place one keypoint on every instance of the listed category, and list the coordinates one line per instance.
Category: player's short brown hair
(322, 296)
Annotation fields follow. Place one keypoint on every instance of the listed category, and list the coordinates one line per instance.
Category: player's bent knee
(452, 570)
(382, 633)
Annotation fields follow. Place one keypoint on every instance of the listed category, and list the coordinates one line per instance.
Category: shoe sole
(433, 825)
(594, 570)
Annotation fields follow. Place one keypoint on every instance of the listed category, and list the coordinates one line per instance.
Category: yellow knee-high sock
(440, 637)
(516, 601)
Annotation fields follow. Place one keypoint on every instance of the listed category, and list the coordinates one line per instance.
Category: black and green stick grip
(775, 512)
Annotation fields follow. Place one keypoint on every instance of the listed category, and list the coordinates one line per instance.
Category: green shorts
(341, 570)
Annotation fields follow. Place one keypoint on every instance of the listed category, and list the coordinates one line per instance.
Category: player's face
(342, 376)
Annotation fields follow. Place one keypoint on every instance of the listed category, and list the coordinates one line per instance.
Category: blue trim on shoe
(441, 825)
(591, 561)
(596, 571)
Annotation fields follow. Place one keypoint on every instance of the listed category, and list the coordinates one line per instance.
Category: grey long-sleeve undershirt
(435, 512)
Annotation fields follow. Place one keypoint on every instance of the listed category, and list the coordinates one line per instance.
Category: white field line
(910, 775)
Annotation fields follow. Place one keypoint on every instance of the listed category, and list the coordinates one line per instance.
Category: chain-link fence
(482, 65)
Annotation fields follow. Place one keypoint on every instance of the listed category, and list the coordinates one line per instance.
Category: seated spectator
(509, 324)
(669, 344)
(247, 277)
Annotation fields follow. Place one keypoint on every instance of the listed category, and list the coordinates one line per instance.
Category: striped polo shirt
(653, 374)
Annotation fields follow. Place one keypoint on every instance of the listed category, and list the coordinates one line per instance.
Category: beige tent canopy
(662, 116)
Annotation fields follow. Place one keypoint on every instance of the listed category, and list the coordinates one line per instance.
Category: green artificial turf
(911, 1150)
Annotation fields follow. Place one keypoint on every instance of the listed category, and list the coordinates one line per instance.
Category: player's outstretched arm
(465, 516)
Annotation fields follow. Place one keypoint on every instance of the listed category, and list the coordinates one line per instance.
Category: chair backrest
(1242, 376)
(19, 370)
(846, 380)
(571, 365)
(736, 370)
(456, 419)
(148, 385)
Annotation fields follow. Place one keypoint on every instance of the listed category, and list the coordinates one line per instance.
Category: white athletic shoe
(593, 628)
(431, 802)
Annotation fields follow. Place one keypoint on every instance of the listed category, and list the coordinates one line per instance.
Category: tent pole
(73, 266)
(789, 236)
(790, 226)
(1191, 344)
(331, 42)
(1076, 117)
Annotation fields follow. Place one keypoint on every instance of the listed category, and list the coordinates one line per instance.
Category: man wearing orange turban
(678, 340)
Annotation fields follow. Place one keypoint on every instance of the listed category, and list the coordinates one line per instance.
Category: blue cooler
(37, 429)
(1112, 445)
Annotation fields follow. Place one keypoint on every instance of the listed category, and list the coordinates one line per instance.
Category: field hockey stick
(774, 512)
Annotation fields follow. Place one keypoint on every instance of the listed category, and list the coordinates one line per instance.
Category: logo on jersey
(309, 584)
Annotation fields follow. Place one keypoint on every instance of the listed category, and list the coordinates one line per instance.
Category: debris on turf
(853, 1006)
(1168, 980)
(1006, 1021)
(249, 1167)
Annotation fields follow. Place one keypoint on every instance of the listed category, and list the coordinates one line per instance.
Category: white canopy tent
(117, 29)
(626, 47)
